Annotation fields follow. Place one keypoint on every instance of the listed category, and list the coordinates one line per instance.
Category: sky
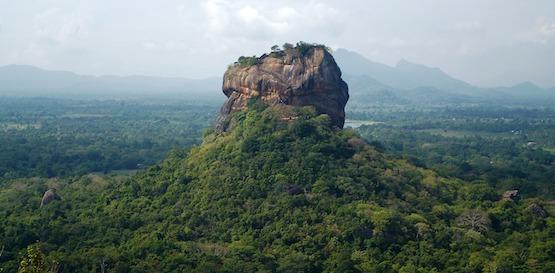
(484, 42)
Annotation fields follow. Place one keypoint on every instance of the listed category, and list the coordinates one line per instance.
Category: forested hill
(275, 196)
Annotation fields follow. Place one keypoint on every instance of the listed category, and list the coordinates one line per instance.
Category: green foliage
(275, 196)
(247, 61)
(304, 47)
(301, 47)
(287, 46)
(486, 145)
(34, 261)
(61, 138)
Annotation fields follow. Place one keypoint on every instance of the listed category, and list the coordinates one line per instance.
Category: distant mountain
(404, 75)
(352, 63)
(364, 89)
(23, 80)
(526, 90)
(417, 75)
(368, 82)
(415, 83)
(403, 84)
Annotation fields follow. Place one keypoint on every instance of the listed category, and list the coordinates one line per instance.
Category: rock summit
(305, 75)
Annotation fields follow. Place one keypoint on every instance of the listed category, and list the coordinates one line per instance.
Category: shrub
(287, 46)
(247, 61)
(304, 47)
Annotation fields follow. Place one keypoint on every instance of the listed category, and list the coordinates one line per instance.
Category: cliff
(306, 76)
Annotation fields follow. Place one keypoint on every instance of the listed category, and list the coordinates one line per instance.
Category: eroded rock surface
(49, 196)
(287, 77)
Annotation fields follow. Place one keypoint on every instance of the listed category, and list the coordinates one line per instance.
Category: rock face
(537, 210)
(512, 195)
(49, 196)
(288, 77)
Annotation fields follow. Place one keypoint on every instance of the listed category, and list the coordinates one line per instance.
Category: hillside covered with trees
(274, 196)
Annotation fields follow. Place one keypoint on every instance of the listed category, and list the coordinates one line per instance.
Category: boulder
(512, 195)
(49, 196)
(537, 210)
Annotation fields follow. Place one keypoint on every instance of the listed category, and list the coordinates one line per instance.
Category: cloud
(249, 14)
(195, 38)
(216, 14)
(47, 14)
(239, 19)
(169, 46)
(546, 27)
(286, 13)
(54, 27)
(466, 26)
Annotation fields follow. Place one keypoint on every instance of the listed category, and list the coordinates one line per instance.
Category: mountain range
(24, 80)
(368, 81)
(409, 82)
(404, 75)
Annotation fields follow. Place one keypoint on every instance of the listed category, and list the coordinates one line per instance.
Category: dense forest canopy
(63, 137)
(274, 196)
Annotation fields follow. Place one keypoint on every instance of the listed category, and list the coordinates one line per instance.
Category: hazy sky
(485, 42)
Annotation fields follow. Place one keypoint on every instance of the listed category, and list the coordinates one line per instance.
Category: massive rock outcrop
(297, 76)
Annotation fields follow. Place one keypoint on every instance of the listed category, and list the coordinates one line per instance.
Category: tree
(474, 220)
(422, 230)
(33, 262)
(275, 48)
(103, 265)
(294, 262)
(287, 46)
(340, 261)
(247, 61)
(1, 252)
